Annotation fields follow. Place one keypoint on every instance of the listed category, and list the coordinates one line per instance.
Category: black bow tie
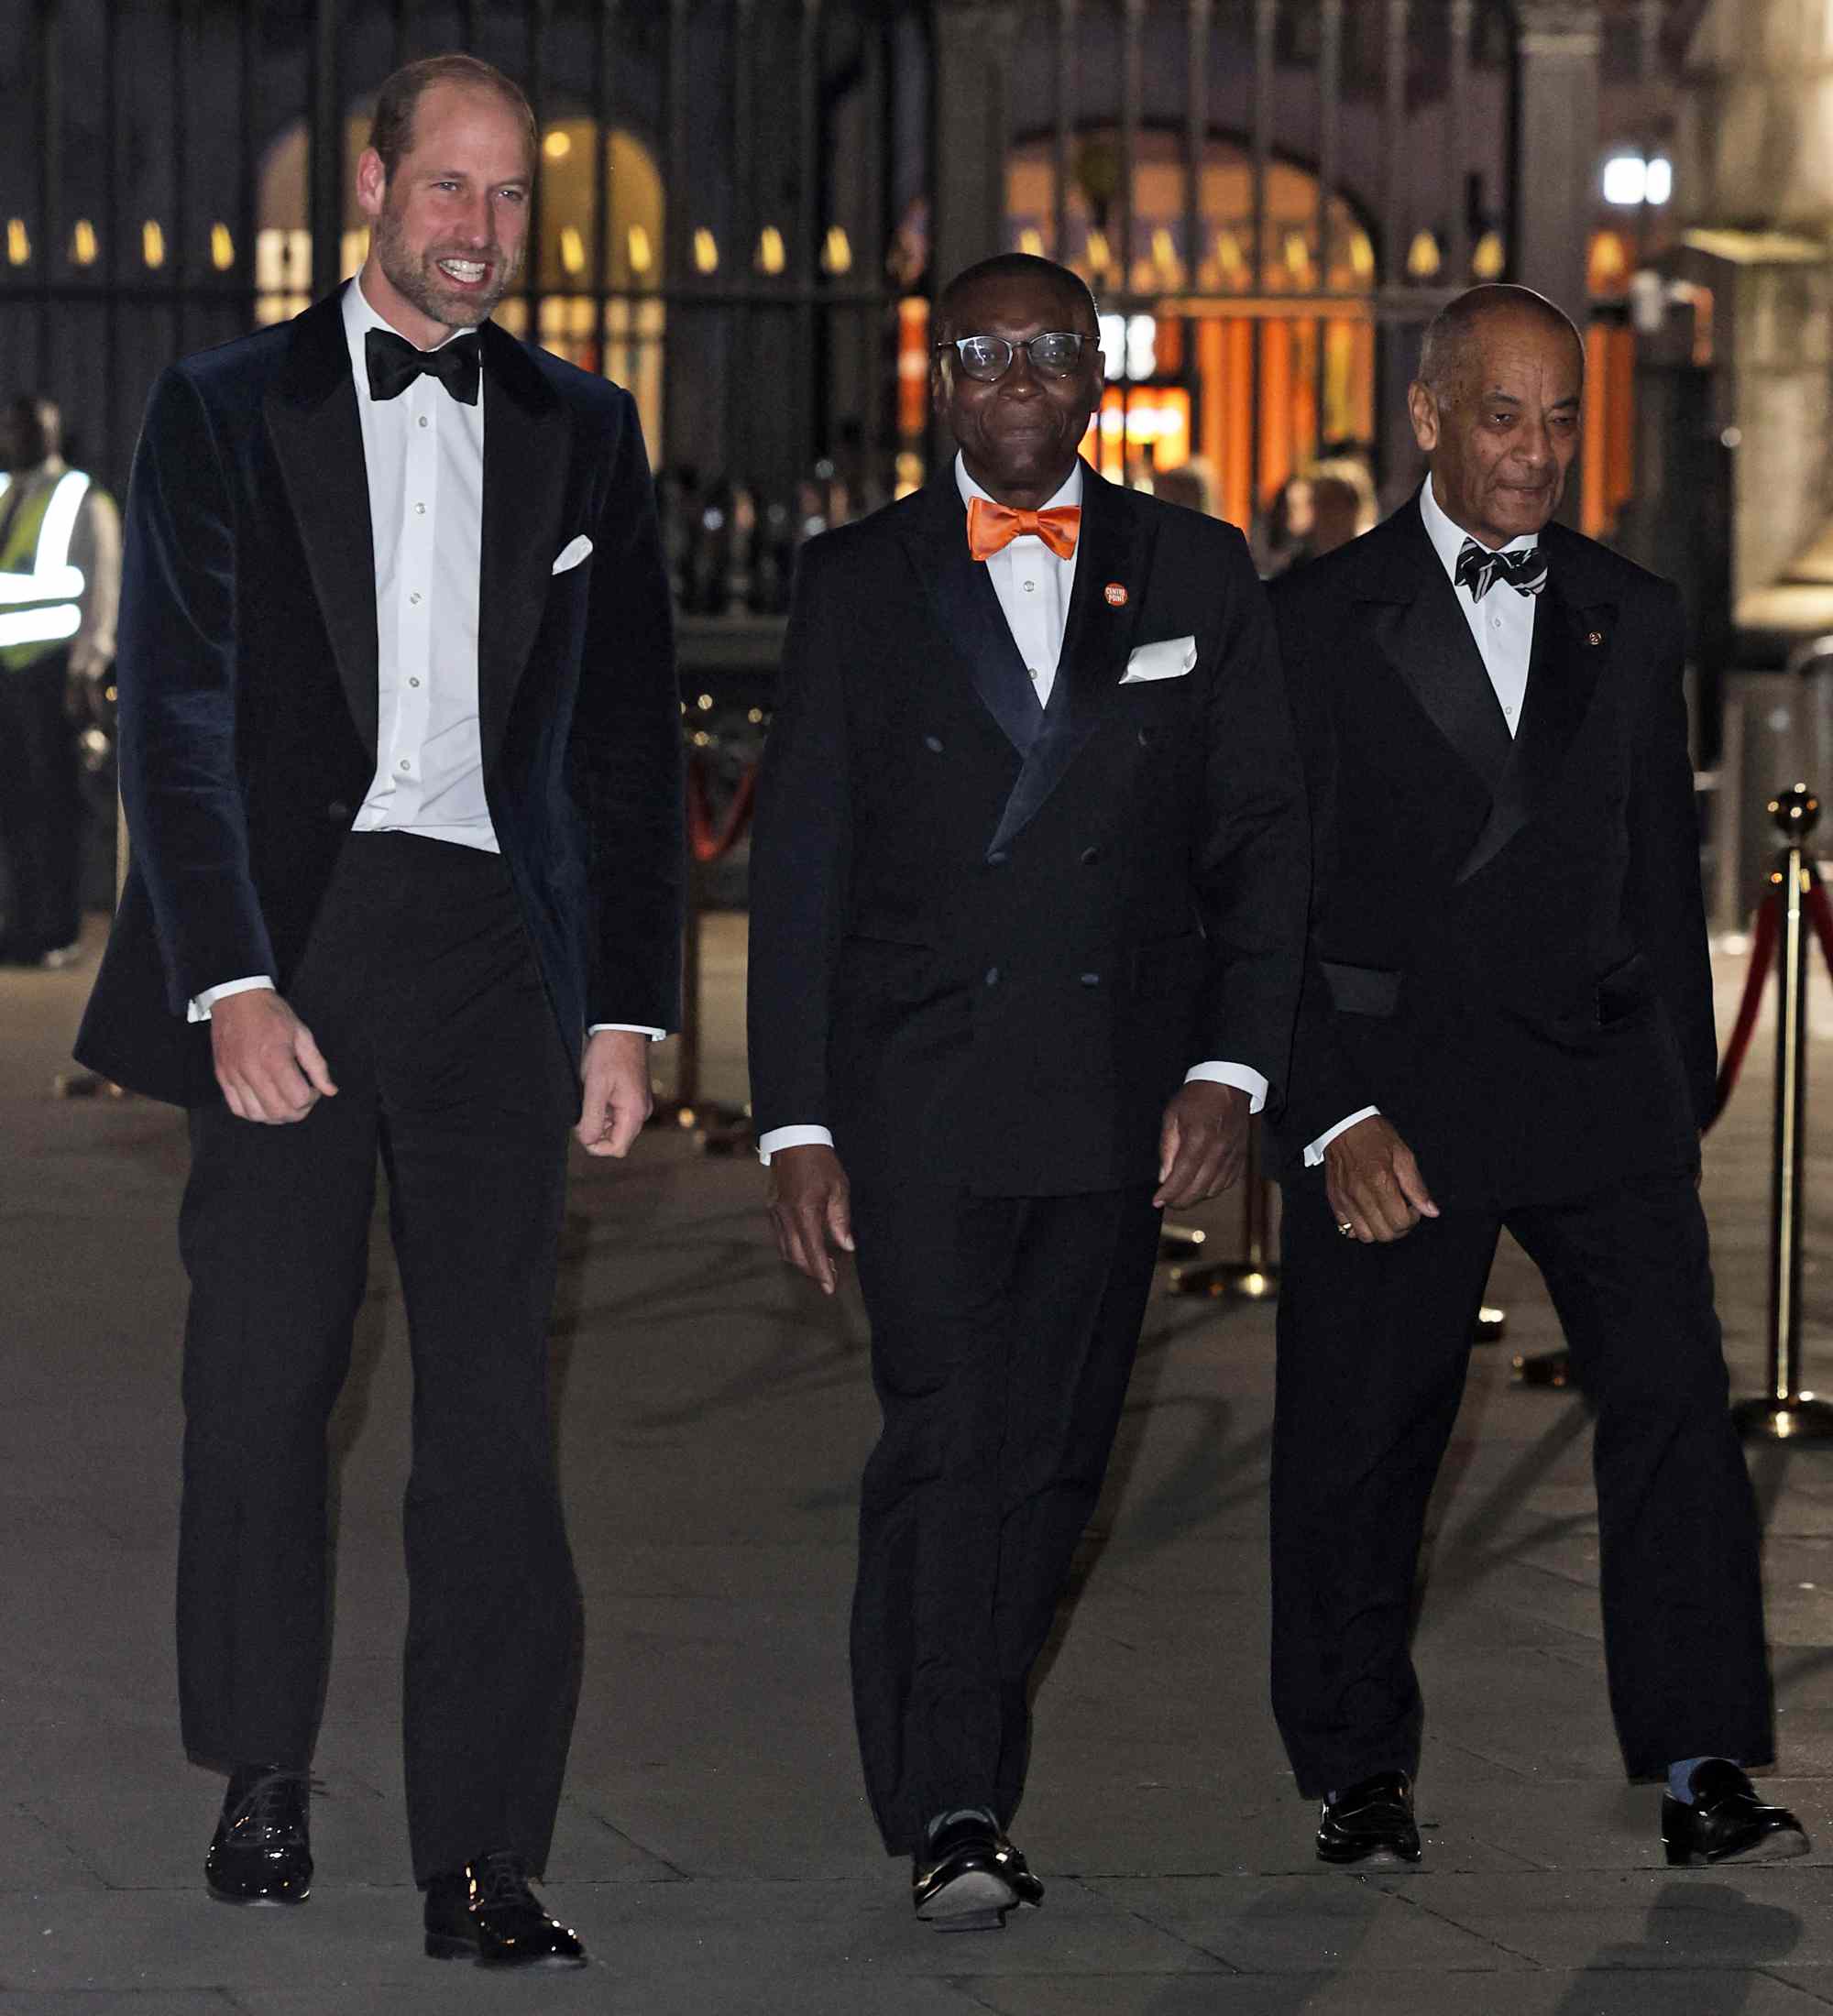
(394, 364)
(1478, 570)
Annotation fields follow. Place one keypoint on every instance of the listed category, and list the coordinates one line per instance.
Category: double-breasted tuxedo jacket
(1508, 951)
(987, 939)
(248, 688)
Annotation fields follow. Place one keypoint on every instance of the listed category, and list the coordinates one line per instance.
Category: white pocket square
(572, 554)
(1169, 658)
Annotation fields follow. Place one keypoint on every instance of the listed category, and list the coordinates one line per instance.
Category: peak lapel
(970, 613)
(1114, 544)
(311, 420)
(1421, 631)
(526, 442)
(1562, 674)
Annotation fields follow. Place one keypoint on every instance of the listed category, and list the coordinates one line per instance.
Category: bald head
(1451, 354)
(1005, 270)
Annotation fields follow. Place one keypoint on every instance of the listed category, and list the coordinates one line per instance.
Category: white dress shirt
(1503, 626)
(1033, 587)
(424, 456)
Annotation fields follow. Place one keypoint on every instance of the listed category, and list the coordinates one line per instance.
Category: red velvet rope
(710, 842)
(1762, 951)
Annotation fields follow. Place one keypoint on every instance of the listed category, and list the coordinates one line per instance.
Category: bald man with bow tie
(1027, 909)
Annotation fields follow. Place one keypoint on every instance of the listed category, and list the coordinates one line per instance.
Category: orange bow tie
(993, 527)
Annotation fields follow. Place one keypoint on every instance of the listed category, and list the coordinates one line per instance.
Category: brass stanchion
(1252, 1278)
(1786, 1414)
(716, 1129)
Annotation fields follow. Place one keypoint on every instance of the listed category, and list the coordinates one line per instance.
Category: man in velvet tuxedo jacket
(401, 763)
(1507, 1021)
(1027, 903)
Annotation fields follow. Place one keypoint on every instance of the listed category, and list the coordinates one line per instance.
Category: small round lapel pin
(1115, 592)
(1594, 639)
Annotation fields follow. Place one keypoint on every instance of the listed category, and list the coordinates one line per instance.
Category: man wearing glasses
(1028, 895)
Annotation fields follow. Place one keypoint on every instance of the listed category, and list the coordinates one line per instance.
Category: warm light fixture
(1422, 257)
(1490, 259)
(222, 247)
(1298, 257)
(152, 243)
(1099, 257)
(1362, 255)
(1165, 254)
(572, 249)
(837, 253)
(19, 244)
(641, 253)
(1031, 242)
(558, 143)
(705, 251)
(772, 256)
(82, 243)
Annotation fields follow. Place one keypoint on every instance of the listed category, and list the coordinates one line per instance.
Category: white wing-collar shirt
(424, 456)
(1502, 624)
(1033, 588)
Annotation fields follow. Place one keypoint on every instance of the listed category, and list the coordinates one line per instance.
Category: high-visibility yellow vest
(40, 590)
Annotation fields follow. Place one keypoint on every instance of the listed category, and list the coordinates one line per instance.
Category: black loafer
(487, 1913)
(1726, 1822)
(261, 1853)
(1016, 1871)
(965, 1878)
(1372, 1822)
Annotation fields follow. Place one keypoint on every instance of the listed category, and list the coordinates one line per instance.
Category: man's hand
(616, 1098)
(268, 1065)
(1374, 1184)
(1202, 1143)
(810, 1206)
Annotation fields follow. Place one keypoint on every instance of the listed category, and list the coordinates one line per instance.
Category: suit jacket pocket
(1361, 989)
(1624, 990)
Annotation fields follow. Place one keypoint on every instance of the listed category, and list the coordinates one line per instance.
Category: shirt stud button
(420, 510)
(415, 595)
(412, 681)
(405, 765)
(423, 420)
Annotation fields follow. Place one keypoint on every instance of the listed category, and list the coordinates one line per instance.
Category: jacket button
(1091, 980)
(998, 859)
(933, 743)
(1091, 855)
(337, 809)
(992, 976)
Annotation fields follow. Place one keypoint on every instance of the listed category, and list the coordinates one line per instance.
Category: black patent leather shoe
(261, 1853)
(1372, 1822)
(487, 1913)
(1726, 1822)
(967, 1877)
(1018, 1872)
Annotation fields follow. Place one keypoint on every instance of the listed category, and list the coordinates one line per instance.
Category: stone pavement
(714, 1847)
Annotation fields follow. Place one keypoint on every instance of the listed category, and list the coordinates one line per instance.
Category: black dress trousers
(1374, 1344)
(421, 990)
(40, 807)
(1004, 1331)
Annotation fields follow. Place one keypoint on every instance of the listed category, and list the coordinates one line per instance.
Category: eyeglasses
(1054, 354)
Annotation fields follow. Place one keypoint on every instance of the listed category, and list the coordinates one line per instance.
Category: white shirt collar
(1447, 536)
(361, 315)
(1071, 493)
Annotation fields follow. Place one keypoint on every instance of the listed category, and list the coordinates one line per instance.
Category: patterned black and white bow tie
(394, 364)
(1478, 570)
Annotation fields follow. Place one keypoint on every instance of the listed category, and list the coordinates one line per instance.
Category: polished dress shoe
(261, 1853)
(1372, 1822)
(1726, 1822)
(968, 1876)
(487, 1913)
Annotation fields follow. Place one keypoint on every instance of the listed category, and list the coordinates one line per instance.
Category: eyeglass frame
(1081, 336)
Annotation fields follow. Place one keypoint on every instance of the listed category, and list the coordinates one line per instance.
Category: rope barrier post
(1786, 1414)
(1252, 1278)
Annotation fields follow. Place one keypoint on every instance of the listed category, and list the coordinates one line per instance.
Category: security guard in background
(60, 584)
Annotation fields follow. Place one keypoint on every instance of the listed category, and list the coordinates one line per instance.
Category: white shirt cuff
(635, 1028)
(779, 1138)
(1314, 1153)
(1242, 1077)
(201, 1004)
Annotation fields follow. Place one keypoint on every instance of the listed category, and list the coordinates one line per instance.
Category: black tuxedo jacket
(1508, 949)
(987, 940)
(247, 676)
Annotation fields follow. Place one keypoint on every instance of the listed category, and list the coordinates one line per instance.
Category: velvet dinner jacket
(1508, 953)
(988, 940)
(248, 697)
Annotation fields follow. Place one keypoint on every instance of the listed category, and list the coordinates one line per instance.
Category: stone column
(973, 56)
(1556, 194)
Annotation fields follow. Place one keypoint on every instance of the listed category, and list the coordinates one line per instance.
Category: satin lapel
(1115, 545)
(970, 614)
(1423, 633)
(1562, 674)
(526, 442)
(311, 415)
